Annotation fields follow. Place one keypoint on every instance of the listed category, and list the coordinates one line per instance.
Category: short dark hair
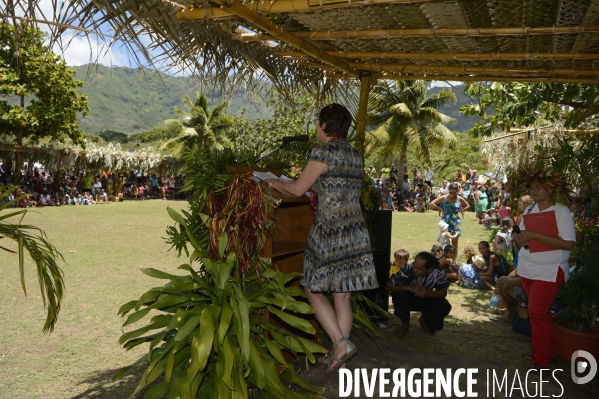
(338, 119)
(485, 244)
(436, 249)
(448, 248)
(453, 186)
(429, 259)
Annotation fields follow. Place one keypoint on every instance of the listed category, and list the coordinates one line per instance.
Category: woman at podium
(338, 256)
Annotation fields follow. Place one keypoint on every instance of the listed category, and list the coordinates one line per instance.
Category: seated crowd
(422, 285)
(43, 189)
(485, 195)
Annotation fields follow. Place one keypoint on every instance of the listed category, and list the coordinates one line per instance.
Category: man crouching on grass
(420, 286)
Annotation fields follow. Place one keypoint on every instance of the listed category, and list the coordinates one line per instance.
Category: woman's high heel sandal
(350, 352)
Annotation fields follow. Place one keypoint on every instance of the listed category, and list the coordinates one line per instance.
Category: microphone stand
(266, 155)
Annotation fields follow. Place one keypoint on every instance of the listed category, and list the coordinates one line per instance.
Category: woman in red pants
(544, 273)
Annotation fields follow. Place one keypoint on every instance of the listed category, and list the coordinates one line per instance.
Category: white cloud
(81, 50)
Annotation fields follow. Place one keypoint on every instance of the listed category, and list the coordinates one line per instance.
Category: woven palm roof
(291, 41)
(544, 40)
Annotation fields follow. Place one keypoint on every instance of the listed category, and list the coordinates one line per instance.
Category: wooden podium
(286, 239)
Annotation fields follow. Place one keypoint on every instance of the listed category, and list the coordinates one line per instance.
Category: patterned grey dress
(338, 256)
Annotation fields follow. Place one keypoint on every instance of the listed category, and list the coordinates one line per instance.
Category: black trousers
(434, 310)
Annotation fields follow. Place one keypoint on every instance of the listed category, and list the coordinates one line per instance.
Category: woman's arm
(299, 187)
(434, 203)
(555, 242)
(465, 204)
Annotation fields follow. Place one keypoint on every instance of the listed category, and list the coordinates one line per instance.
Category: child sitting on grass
(469, 273)
(401, 259)
(446, 262)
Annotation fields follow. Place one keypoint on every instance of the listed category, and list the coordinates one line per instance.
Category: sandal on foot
(350, 352)
(324, 359)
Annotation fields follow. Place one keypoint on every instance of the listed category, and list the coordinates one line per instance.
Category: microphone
(289, 139)
(517, 230)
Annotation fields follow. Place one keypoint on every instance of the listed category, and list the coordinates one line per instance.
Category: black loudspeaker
(381, 252)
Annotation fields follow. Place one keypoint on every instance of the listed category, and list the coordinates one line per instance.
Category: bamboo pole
(461, 78)
(525, 131)
(415, 72)
(436, 69)
(449, 56)
(389, 33)
(366, 82)
(287, 6)
(263, 23)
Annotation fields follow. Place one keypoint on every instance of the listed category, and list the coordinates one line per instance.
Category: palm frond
(45, 256)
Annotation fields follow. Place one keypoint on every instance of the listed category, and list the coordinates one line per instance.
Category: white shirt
(428, 175)
(443, 190)
(543, 265)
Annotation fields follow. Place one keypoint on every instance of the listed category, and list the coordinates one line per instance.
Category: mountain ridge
(132, 100)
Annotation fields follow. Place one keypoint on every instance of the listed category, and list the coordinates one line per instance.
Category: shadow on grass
(102, 386)
(476, 300)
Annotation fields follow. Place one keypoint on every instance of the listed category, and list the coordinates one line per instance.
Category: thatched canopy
(304, 41)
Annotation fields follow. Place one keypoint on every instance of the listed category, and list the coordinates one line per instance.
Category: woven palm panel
(371, 17)
(408, 16)
(408, 45)
(587, 42)
(571, 12)
(539, 13)
(507, 13)
(449, 16)
(477, 14)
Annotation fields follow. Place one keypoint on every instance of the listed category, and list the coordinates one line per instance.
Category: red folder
(544, 223)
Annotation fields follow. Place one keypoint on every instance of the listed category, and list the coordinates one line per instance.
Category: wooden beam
(366, 82)
(265, 24)
(463, 77)
(390, 33)
(287, 6)
(449, 56)
(525, 131)
(435, 69)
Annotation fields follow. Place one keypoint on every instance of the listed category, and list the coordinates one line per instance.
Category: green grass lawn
(105, 246)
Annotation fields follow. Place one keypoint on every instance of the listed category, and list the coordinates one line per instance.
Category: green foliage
(405, 116)
(157, 134)
(507, 105)
(111, 135)
(33, 240)
(288, 119)
(201, 126)
(136, 100)
(210, 337)
(49, 102)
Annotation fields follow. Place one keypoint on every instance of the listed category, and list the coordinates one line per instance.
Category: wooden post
(366, 81)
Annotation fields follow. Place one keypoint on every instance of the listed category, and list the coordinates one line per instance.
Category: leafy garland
(546, 177)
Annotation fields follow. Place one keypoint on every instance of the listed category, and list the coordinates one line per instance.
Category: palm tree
(405, 116)
(201, 126)
(33, 240)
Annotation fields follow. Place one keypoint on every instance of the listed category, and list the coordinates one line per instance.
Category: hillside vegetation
(133, 100)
